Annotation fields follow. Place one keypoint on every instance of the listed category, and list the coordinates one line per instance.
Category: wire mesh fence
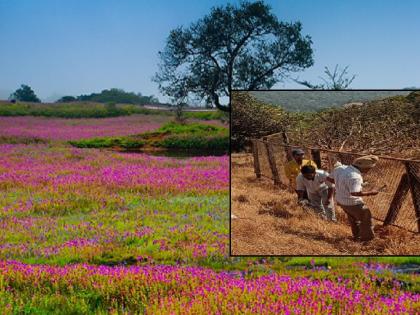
(397, 204)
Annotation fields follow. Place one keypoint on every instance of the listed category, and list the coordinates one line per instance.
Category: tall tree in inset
(233, 47)
(24, 94)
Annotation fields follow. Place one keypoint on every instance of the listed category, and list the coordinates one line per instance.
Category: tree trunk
(225, 108)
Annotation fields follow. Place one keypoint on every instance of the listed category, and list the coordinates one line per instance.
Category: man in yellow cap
(293, 167)
(348, 186)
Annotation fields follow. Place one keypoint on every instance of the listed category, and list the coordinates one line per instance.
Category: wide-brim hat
(366, 162)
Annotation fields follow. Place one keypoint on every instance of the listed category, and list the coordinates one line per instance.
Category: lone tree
(233, 47)
(24, 94)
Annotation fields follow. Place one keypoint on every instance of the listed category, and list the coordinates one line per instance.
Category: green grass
(193, 136)
(178, 221)
(85, 109)
(107, 142)
(65, 110)
(195, 142)
(210, 115)
(76, 110)
(192, 128)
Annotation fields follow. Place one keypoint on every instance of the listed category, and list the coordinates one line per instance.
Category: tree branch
(254, 83)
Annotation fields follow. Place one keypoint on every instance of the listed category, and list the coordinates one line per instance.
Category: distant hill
(312, 101)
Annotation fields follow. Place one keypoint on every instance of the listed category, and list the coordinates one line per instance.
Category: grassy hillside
(310, 100)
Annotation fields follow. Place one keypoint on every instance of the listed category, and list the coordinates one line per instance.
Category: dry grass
(269, 222)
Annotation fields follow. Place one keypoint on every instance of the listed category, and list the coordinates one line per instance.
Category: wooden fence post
(272, 161)
(414, 184)
(286, 145)
(316, 157)
(397, 200)
(257, 169)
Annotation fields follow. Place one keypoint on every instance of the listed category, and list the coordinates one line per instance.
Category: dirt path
(269, 222)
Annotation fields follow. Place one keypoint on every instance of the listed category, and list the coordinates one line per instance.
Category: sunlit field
(66, 205)
(159, 289)
(73, 129)
(94, 231)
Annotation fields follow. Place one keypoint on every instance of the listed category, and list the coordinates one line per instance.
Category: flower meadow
(89, 231)
(75, 129)
(65, 205)
(159, 289)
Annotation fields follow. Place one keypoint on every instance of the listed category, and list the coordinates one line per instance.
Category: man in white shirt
(348, 186)
(320, 191)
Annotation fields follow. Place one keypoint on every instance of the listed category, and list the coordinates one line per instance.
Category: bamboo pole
(257, 169)
(397, 200)
(316, 157)
(272, 161)
(415, 191)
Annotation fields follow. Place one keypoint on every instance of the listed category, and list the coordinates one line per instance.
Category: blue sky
(77, 47)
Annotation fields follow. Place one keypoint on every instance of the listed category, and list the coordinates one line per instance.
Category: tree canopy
(113, 95)
(24, 94)
(118, 96)
(67, 99)
(233, 47)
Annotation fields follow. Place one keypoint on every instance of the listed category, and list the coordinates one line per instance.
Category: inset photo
(323, 172)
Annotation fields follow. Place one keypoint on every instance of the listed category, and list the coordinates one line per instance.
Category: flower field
(89, 231)
(75, 129)
(67, 205)
(189, 290)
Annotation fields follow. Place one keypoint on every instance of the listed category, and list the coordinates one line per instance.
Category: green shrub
(176, 128)
(172, 135)
(107, 142)
(196, 142)
(210, 115)
(76, 110)
(17, 109)
(89, 109)
(95, 143)
(147, 111)
(130, 143)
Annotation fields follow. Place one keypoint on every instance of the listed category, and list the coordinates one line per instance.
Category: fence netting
(263, 160)
(397, 204)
